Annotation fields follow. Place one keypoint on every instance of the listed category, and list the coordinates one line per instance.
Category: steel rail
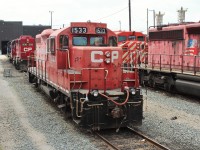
(106, 141)
(148, 139)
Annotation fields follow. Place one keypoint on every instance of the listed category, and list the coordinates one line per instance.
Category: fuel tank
(188, 87)
(188, 77)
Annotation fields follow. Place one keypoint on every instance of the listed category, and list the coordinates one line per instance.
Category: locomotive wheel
(67, 113)
(30, 78)
(152, 81)
(17, 66)
(141, 78)
(167, 87)
(67, 110)
(169, 84)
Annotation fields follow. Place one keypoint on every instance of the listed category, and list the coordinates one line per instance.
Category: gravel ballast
(173, 120)
(28, 120)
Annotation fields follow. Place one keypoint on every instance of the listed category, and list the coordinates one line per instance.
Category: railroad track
(107, 141)
(125, 139)
(149, 139)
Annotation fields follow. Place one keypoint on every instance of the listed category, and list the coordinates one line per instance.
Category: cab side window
(64, 42)
(112, 41)
(51, 45)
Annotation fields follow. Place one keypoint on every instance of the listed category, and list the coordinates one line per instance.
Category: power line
(112, 14)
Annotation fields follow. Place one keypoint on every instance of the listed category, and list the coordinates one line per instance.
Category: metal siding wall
(10, 31)
(34, 30)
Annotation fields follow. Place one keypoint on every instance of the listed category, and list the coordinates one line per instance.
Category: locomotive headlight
(95, 93)
(132, 91)
(107, 60)
(107, 54)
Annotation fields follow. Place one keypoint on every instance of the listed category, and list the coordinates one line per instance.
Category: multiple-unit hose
(119, 104)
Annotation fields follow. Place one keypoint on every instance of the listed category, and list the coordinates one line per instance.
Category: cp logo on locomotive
(97, 56)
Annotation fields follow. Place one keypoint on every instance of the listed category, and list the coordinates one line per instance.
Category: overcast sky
(111, 12)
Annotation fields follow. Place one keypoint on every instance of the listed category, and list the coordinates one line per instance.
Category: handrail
(183, 63)
(135, 70)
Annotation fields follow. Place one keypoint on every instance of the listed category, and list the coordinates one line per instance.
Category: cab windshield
(96, 41)
(79, 41)
(122, 38)
(140, 38)
(88, 41)
(132, 38)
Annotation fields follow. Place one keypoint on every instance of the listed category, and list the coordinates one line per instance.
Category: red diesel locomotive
(134, 47)
(173, 58)
(22, 48)
(80, 68)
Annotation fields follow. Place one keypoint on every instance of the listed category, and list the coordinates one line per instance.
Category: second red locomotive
(80, 68)
(22, 48)
(134, 46)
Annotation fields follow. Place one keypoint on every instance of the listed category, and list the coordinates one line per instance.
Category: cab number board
(79, 30)
(100, 30)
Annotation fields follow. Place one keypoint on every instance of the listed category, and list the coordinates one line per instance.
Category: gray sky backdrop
(107, 11)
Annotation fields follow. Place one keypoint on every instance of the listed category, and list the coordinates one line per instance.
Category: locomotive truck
(80, 68)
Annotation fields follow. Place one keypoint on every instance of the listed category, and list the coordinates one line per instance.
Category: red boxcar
(23, 48)
(173, 58)
(80, 68)
(134, 45)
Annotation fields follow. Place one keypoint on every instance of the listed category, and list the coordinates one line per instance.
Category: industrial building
(10, 30)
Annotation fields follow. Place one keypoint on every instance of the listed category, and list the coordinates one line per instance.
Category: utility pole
(51, 17)
(154, 17)
(120, 25)
(147, 21)
(129, 15)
